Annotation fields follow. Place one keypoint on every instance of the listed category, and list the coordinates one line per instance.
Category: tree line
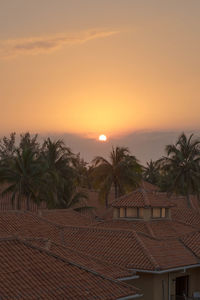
(50, 172)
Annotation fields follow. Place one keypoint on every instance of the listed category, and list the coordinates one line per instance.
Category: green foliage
(152, 172)
(122, 171)
(45, 173)
(181, 166)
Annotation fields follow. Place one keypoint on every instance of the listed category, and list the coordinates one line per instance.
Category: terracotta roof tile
(139, 226)
(82, 259)
(115, 246)
(192, 241)
(132, 250)
(169, 253)
(143, 198)
(155, 228)
(29, 272)
(186, 215)
(25, 224)
(123, 247)
(66, 217)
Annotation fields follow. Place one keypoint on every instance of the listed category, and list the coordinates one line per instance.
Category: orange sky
(92, 67)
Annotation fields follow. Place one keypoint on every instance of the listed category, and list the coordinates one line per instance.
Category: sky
(129, 69)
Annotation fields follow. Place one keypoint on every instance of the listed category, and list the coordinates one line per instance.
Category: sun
(102, 138)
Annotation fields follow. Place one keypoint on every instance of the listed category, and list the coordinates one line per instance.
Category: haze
(105, 66)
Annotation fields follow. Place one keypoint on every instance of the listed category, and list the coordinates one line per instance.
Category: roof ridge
(144, 194)
(189, 234)
(151, 258)
(79, 253)
(187, 248)
(65, 210)
(150, 229)
(186, 224)
(93, 228)
(50, 253)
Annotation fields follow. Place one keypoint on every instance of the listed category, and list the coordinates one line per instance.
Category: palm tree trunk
(188, 199)
(18, 202)
(28, 202)
(106, 201)
(116, 191)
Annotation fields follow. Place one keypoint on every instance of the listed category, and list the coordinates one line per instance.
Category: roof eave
(167, 270)
(136, 296)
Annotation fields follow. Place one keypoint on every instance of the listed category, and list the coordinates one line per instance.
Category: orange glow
(103, 138)
(90, 77)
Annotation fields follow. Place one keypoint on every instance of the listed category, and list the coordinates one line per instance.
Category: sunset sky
(88, 67)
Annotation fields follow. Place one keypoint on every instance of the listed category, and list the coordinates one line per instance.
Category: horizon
(145, 145)
(99, 67)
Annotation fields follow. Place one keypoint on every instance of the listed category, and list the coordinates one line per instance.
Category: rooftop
(143, 198)
(30, 272)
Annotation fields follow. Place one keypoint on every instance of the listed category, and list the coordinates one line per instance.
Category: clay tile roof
(155, 228)
(82, 259)
(138, 226)
(186, 215)
(25, 224)
(168, 228)
(118, 247)
(132, 251)
(66, 217)
(143, 198)
(168, 253)
(149, 186)
(192, 241)
(28, 272)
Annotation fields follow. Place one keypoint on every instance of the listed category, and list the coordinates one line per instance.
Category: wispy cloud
(36, 45)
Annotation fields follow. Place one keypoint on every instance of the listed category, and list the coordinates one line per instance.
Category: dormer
(142, 205)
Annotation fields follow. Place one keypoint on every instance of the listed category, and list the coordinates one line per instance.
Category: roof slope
(129, 249)
(192, 241)
(168, 253)
(186, 215)
(154, 228)
(122, 247)
(25, 224)
(65, 217)
(143, 198)
(29, 272)
(82, 259)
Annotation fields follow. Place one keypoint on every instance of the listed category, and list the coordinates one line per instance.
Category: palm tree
(122, 171)
(59, 190)
(182, 162)
(22, 173)
(151, 172)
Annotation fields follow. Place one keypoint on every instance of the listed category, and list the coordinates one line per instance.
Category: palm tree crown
(122, 171)
(182, 162)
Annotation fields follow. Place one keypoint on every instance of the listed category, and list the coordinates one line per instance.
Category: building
(148, 244)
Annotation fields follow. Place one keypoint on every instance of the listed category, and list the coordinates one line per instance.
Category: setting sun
(103, 138)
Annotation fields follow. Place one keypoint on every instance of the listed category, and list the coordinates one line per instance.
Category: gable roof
(65, 217)
(123, 247)
(188, 216)
(29, 272)
(149, 186)
(128, 248)
(192, 241)
(143, 198)
(82, 259)
(25, 224)
(154, 228)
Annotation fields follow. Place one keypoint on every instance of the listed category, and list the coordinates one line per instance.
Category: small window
(122, 212)
(131, 212)
(163, 213)
(156, 213)
(141, 213)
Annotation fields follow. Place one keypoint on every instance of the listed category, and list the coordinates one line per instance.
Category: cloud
(36, 45)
